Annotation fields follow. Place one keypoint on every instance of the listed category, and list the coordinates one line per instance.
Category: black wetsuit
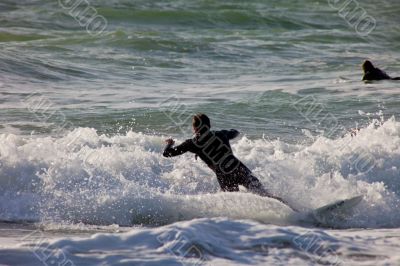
(375, 73)
(214, 149)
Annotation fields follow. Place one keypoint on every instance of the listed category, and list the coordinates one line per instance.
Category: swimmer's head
(201, 123)
(367, 66)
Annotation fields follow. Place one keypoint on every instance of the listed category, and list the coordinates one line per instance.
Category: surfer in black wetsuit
(214, 149)
(373, 73)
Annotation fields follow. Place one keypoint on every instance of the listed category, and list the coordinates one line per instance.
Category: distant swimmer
(214, 149)
(373, 73)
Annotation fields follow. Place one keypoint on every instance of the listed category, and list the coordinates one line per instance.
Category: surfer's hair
(201, 121)
(367, 65)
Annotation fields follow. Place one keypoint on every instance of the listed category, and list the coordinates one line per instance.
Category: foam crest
(123, 179)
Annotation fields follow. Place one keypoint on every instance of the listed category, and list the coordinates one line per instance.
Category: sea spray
(123, 179)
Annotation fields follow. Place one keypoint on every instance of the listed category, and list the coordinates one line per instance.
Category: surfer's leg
(254, 185)
(226, 183)
(232, 188)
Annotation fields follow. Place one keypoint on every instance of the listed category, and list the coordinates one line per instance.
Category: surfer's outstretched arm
(171, 151)
(230, 134)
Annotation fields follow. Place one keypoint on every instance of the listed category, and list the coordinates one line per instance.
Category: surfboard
(332, 213)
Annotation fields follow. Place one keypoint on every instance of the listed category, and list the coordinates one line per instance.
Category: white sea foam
(209, 241)
(97, 179)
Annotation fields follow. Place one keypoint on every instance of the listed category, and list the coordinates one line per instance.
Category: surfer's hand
(170, 141)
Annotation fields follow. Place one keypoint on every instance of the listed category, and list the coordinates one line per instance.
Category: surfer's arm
(376, 74)
(384, 75)
(231, 134)
(171, 151)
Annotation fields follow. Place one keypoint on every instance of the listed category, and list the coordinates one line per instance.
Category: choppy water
(83, 116)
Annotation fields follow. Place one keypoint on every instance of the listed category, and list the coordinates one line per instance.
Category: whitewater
(119, 187)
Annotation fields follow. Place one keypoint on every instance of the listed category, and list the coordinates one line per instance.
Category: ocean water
(89, 90)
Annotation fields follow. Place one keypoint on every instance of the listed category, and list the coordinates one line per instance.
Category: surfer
(214, 149)
(373, 73)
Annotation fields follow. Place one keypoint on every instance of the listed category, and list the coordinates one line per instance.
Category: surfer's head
(201, 123)
(367, 66)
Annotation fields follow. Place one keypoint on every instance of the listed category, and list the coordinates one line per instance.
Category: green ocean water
(251, 65)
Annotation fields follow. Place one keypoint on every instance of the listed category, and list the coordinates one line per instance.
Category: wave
(123, 179)
(203, 14)
(216, 241)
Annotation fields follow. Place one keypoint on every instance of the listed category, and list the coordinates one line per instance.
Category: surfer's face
(195, 130)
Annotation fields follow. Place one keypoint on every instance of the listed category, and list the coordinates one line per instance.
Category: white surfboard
(334, 212)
